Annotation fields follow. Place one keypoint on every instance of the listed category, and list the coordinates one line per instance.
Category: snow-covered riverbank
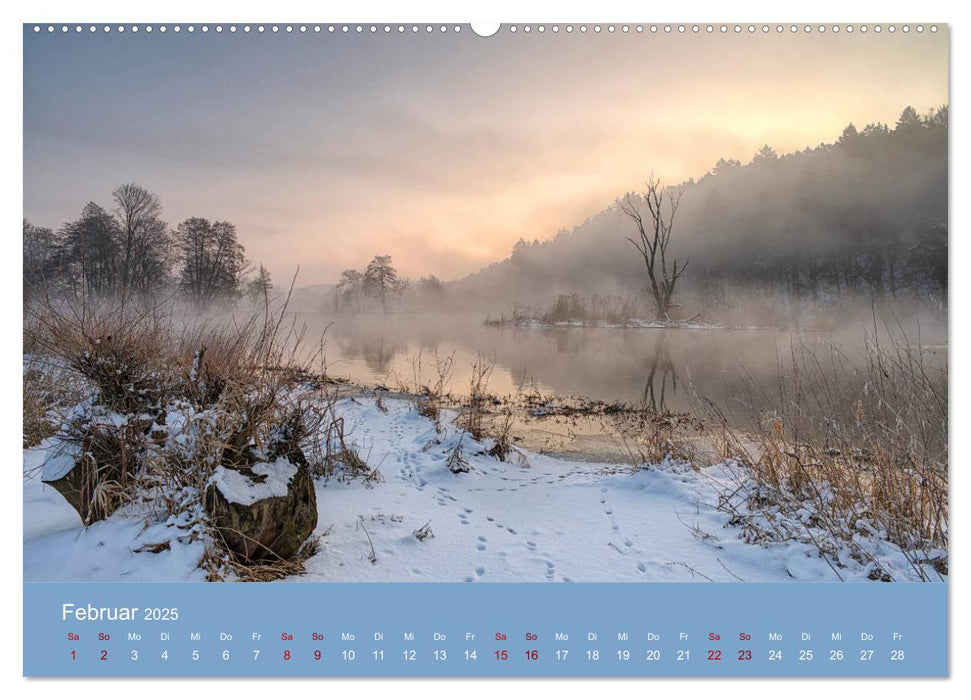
(545, 519)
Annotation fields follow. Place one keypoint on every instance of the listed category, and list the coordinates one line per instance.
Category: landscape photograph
(567, 303)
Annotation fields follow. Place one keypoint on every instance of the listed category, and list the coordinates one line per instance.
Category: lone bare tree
(654, 237)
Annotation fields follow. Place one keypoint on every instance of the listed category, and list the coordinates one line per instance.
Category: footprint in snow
(480, 571)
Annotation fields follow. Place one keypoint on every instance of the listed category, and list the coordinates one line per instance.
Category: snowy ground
(553, 520)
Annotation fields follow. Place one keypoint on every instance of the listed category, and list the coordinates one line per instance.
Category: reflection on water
(660, 369)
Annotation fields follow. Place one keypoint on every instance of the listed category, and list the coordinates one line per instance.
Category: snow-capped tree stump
(264, 513)
(72, 480)
(95, 470)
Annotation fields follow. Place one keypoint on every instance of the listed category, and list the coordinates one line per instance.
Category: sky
(441, 149)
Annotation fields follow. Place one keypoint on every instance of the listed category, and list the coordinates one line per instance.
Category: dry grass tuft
(853, 451)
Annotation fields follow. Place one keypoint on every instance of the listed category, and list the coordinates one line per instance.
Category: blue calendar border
(918, 612)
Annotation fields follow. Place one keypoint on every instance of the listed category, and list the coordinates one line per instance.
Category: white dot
(526, 28)
(906, 28)
(934, 28)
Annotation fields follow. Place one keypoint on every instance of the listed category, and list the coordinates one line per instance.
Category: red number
(74, 655)
(104, 654)
(286, 655)
(714, 655)
(532, 654)
(317, 655)
(744, 654)
(501, 655)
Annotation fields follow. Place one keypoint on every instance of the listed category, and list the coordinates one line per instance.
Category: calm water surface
(665, 368)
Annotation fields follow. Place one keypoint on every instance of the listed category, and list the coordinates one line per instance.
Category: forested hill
(866, 214)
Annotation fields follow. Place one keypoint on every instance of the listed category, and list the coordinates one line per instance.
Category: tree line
(131, 251)
(379, 286)
(865, 216)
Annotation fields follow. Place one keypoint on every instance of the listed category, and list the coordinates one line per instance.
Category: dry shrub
(48, 389)
(853, 451)
(457, 463)
(234, 387)
(650, 436)
(473, 419)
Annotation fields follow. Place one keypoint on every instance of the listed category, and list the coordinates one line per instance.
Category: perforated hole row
(512, 28)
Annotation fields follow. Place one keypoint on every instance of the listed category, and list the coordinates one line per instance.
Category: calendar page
(485, 350)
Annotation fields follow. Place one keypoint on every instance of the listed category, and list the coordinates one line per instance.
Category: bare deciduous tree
(145, 245)
(211, 258)
(654, 237)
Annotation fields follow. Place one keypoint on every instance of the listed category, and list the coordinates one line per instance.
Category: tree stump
(264, 512)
